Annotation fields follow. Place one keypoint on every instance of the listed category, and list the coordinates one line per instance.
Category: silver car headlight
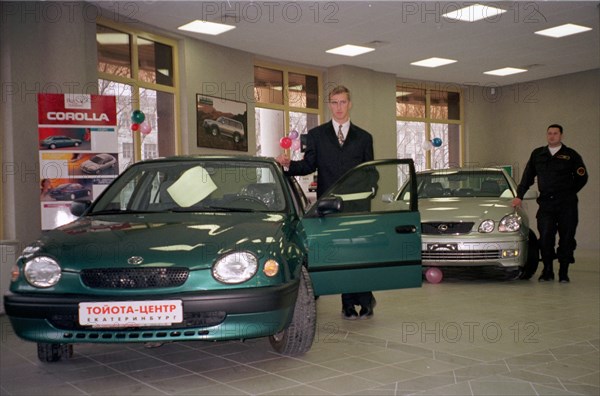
(487, 226)
(236, 267)
(42, 271)
(510, 223)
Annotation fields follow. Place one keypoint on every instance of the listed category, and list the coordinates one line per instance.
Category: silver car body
(455, 204)
(98, 163)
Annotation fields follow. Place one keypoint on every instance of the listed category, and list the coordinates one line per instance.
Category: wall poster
(221, 123)
(78, 151)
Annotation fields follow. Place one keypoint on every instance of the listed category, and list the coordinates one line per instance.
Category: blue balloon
(437, 142)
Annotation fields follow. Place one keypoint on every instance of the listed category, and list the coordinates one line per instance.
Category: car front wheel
(298, 337)
(49, 353)
(214, 131)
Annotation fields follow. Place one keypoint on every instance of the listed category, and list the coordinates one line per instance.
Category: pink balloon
(285, 142)
(296, 145)
(434, 275)
(145, 128)
(293, 135)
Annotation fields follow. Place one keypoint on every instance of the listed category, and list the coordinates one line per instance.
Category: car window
(372, 189)
(462, 183)
(196, 186)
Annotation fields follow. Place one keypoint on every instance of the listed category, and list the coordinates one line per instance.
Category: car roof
(454, 170)
(177, 158)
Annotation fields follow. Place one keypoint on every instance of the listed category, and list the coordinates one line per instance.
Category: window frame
(428, 120)
(137, 84)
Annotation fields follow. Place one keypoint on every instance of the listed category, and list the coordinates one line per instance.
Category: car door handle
(406, 229)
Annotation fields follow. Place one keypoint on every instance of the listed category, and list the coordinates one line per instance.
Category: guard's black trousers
(560, 216)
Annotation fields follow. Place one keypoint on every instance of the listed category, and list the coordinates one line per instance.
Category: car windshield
(97, 159)
(462, 183)
(193, 186)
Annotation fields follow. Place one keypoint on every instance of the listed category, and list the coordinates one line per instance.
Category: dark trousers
(364, 299)
(557, 216)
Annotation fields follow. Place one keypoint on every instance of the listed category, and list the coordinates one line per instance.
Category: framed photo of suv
(221, 123)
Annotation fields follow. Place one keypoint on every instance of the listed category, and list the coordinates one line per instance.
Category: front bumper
(214, 315)
(473, 252)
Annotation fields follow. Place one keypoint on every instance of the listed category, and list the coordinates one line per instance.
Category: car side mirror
(78, 208)
(329, 205)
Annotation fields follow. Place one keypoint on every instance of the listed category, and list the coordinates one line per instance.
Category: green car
(213, 248)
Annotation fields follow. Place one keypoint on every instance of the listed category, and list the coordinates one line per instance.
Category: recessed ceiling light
(563, 30)
(433, 62)
(350, 50)
(205, 27)
(505, 71)
(474, 13)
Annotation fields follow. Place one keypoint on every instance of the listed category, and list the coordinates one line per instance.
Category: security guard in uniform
(560, 175)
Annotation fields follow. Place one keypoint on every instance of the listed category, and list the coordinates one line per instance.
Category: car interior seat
(434, 190)
(490, 187)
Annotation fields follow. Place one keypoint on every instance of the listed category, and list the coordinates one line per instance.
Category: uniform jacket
(560, 175)
(323, 153)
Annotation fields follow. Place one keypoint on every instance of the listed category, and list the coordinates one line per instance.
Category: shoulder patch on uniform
(581, 171)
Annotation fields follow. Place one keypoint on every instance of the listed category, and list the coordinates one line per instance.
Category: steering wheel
(247, 202)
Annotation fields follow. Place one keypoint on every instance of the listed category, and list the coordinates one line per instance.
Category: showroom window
(140, 70)
(428, 126)
(286, 100)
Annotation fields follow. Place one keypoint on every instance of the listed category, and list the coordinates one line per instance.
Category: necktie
(340, 136)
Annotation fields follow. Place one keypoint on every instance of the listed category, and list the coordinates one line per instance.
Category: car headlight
(487, 226)
(510, 223)
(42, 271)
(236, 267)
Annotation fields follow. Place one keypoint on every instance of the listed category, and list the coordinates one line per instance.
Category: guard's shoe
(546, 276)
(349, 313)
(564, 279)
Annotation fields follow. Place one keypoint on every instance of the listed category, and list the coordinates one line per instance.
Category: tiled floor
(459, 337)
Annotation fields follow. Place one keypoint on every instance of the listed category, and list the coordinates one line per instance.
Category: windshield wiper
(211, 209)
(120, 211)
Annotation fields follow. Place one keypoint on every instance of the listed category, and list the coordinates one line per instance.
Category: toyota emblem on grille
(443, 227)
(135, 260)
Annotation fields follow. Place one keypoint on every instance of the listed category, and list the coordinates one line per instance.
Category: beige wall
(504, 127)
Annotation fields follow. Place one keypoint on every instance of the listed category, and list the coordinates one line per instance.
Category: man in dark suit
(332, 149)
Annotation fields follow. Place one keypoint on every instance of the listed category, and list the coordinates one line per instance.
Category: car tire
(72, 196)
(214, 130)
(52, 146)
(237, 138)
(298, 337)
(49, 353)
(533, 256)
(76, 144)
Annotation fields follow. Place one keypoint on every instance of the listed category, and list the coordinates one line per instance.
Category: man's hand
(516, 202)
(283, 160)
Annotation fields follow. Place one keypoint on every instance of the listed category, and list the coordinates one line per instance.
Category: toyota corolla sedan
(467, 219)
(69, 192)
(98, 163)
(52, 142)
(213, 248)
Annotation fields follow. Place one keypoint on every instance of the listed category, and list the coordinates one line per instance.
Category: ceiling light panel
(563, 30)
(433, 62)
(506, 71)
(204, 27)
(350, 50)
(474, 13)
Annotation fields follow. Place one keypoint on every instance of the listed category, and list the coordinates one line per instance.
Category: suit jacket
(324, 154)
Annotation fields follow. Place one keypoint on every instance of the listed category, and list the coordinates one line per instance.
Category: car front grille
(458, 255)
(446, 228)
(134, 278)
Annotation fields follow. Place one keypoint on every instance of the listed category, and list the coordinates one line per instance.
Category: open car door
(359, 237)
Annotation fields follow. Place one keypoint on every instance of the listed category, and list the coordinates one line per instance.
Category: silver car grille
(458, 255)
(446, 228)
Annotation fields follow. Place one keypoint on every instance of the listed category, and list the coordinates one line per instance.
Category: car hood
(464, 209)
(174, 239)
